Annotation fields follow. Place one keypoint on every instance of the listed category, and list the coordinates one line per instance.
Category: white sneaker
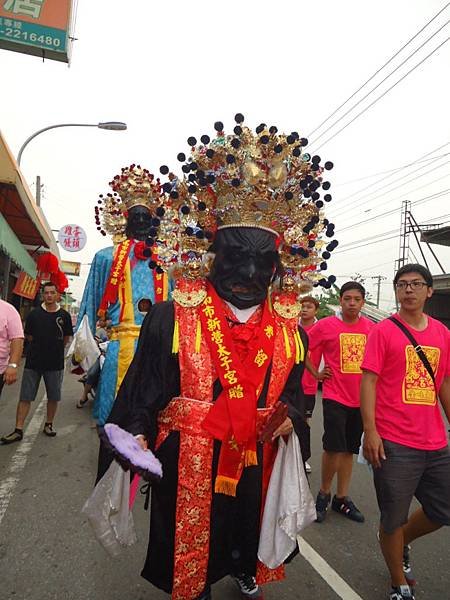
(308, 467)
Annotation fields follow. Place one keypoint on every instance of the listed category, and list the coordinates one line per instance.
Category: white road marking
(328, 574)
(19, 458)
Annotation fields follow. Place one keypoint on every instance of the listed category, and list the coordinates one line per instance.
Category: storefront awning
(18, 206)
(12, 246)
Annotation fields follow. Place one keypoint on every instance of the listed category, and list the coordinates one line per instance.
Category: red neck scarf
(241, 365)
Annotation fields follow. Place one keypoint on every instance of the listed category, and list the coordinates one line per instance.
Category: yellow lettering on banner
(159, 290)
(230, 376)
(213, 324)
(269, 331)
(217, 337)
(209, 311)
(207, 300)
(236, 392)
(114, 280)
(260, 357)
(225, 362)
(222, 351)
(158, 277)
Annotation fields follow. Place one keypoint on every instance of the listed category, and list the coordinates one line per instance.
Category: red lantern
(60, 280)
(47, 263)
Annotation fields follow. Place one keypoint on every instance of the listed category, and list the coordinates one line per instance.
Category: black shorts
(342, 427)
(409, 472)
(310, 402)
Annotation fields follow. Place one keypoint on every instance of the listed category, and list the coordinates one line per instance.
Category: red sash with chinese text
(115, 276)
(232, 418)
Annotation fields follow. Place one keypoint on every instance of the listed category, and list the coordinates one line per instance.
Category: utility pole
(379, 279)
(404, 235)
(38, 190)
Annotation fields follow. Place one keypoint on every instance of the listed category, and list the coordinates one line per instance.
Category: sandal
(81, 403)
(15, 436)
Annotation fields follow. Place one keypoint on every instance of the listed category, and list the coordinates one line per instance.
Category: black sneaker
(248, 587)
(48, 430)
(205, 595)
(322, 502)
(402, 592)
(346, 507)
(407, 566)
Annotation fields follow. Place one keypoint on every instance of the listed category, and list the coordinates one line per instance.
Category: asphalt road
(47, 550)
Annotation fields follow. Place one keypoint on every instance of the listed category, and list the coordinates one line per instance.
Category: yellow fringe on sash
(198, 337)
(299, 347)
(287, 345)
(176, 338)
(225, 485)
(250, 458)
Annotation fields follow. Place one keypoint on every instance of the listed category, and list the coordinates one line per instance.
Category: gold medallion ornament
(260, 179)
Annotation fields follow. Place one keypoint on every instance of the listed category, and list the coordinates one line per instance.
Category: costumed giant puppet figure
(120, 281)
(212, 364)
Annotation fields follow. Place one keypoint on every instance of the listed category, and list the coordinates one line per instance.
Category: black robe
(152, 380)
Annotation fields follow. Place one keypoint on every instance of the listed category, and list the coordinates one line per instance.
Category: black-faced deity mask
(139, 223)
(245, 262)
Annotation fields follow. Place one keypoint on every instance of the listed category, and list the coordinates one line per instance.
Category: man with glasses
(406, 370)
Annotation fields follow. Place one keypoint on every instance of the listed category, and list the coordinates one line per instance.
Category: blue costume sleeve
(95, 286)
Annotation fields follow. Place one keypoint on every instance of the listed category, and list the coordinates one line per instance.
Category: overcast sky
(170, 69)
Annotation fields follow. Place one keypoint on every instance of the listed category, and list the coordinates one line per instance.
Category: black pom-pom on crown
(164, 169)
(192, 141)
(239, 118)
(205, 139)
(218, 126)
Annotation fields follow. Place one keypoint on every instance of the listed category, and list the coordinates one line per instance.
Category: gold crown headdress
(259, 179)
(135, 186)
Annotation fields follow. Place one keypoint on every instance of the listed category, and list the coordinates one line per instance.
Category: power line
(375, 239)
(383, 94)
(381, 82)
(380, 69)
(417, 202)
(427, 160)
(390, 172)
(370, 197)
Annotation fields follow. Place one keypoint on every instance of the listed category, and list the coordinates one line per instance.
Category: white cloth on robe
(289, 506)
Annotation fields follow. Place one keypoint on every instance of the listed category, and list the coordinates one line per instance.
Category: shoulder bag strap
(417, 347)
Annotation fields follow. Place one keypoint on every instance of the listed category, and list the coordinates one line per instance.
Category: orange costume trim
(186, 415)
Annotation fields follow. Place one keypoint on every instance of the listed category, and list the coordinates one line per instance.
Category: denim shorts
(31, 380)
(409, 472)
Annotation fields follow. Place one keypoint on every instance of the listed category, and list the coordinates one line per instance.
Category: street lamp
(109, 125)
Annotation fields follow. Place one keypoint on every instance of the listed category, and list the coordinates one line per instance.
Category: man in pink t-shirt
(11, 343)
(341, 341)
(405, 438)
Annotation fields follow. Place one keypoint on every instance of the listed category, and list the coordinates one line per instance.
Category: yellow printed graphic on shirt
(352, 351)
(418, 387)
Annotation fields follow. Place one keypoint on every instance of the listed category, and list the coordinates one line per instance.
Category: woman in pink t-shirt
(406, 372)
